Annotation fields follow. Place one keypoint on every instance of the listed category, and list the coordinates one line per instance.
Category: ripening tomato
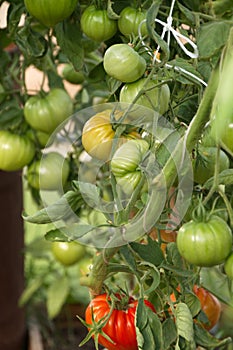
(204, 164)
(210, 305)
(50, 12)
(129, 21)
(97, 25)
(154, 97)
(46, 113)
(206, 243)
(125, 164)
(120, 326)
(68, 253)
(98, 134)
(123, 63)
(50, 173)
(16, 151)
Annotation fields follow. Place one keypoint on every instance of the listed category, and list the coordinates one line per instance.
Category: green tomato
(97, 25)
(68, 253)
(16, 151)
(123, 63)
(46, 113)
(156, 98)
(129, 21)
(50, 12)
(228, 266)
(206, 243)
(204, 166)
(71, 75)
(224, 133)
(125, 164)
(49, 173)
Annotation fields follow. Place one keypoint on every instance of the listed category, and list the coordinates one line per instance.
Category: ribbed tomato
(120, 326)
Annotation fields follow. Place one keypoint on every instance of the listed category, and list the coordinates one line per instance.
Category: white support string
(167, 27)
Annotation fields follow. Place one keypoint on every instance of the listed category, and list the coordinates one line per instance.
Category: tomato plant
(97, 25)
(46, 113)
(120, 321)
(125, 164)
(98, 134)
(205, 243)
(50, 12)
(146, 93)
(123, 63)
(210, 305)
(204, 164)
(129, 21)
(68, 253)
(49, 173)
(16, 151)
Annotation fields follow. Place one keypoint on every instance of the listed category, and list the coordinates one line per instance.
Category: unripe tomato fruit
(68, 253)
(50, 173)
(228, 266)
(98, 134)
(210, 305)
(97, 25)
(129, 21)
(204, 167)
(120, 326)
(123, 63)
(50, 12)
(156, 98)
(71, 75)
(46, 113)
(206, 243)
(16, 151)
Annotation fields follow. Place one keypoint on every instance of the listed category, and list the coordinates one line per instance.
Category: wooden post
(12, 319)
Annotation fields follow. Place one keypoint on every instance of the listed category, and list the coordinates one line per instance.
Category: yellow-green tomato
(50, 173)
(68, 253)
(123, 63)
(16, 151)
(154, 97)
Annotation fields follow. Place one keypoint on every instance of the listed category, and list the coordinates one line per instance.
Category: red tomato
(120, 326)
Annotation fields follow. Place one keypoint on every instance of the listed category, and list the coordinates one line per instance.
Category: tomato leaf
(205, 339)
(169, 333)
(193, 303)
(217, 283)
(67, 233)
(64, 208)
(129, 258)
(30, 290)
(184, 323)
(150, 252)
(56, 296)
(148, 328)
(224, 178)
(188, 14)
(69, 38)
(183, 77)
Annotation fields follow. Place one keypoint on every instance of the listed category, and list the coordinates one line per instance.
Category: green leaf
(224, 178)
(129, 258)
(64, 208)
(90, 193)
(56, 296)
(217, 283)
(39, 248)
(187, 13)
(11, 115)
(205, 339)
(31, 43)
(148, 328)
(213, 33)
(188, 108)
(169, 333)
(30, 290)
(68, 233)
(184, 66)
(150, 252)
(184, 322)
(193, 303)
(69, 38)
